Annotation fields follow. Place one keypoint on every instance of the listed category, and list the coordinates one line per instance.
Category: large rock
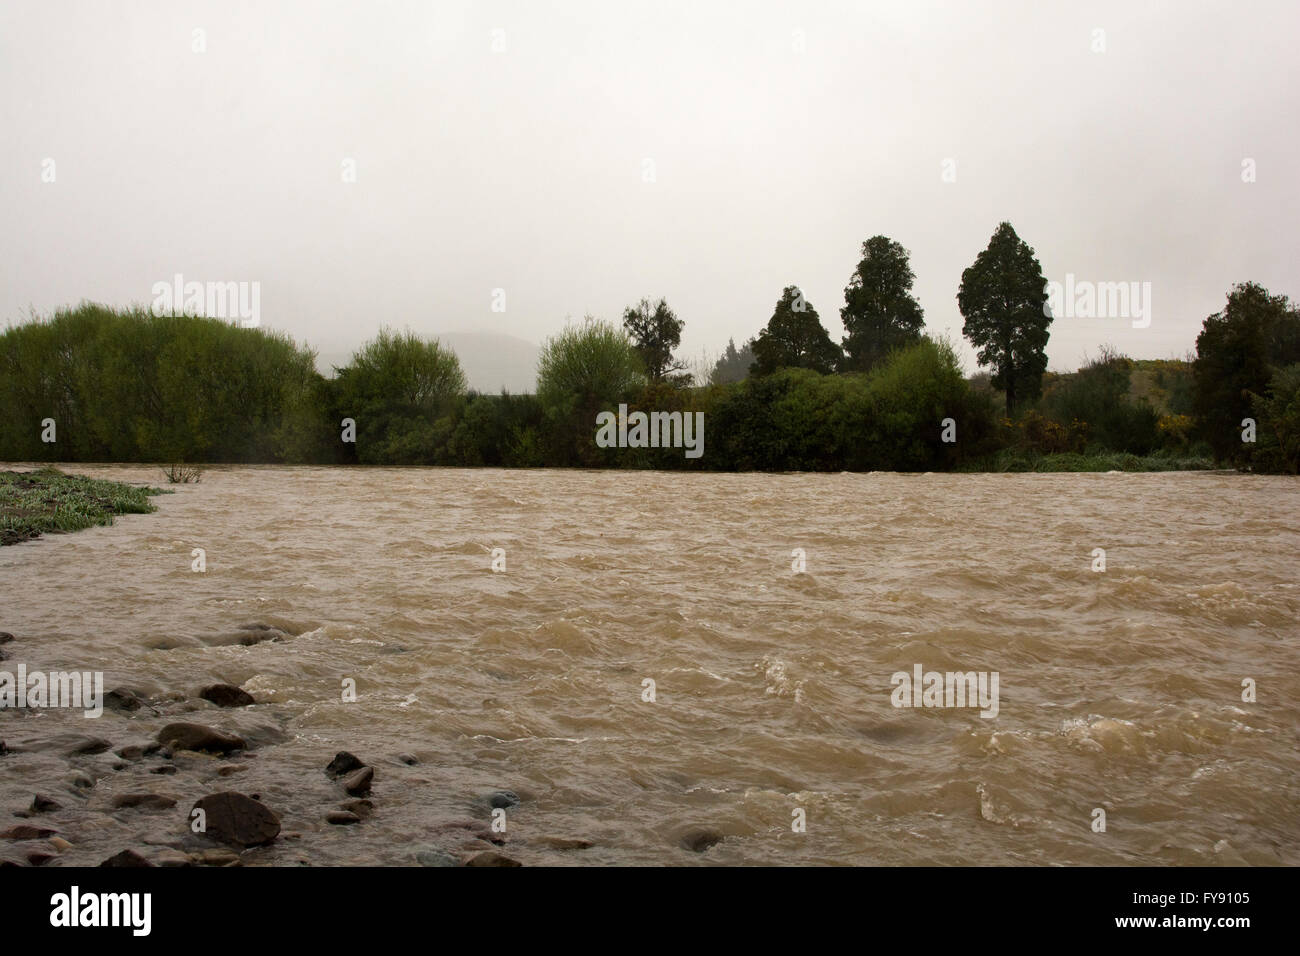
(226, 695)
(237, 820)
(183, 736)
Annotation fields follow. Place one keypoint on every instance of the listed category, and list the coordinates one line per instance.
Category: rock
(60, 844)
(491, 858)
(164, 769)
(81, 780)
(409, 759)
(145, 801)
(5, 637)
(73, 745)
(357, 783)
(183, 736)
(39, 857)
(433, 856)
(43, 804)
(226, 695)
(170, 857)
(699, 839)
(503, 799)
(229, 771)
(563, 843)
(131, 752)
(122, 699)
(25, 831)
(362, 808)
(237, 820)
(215, 858)
(343, 763)
(341, 818)
(126, 858)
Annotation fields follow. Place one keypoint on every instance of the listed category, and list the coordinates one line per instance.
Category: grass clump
(47, 501)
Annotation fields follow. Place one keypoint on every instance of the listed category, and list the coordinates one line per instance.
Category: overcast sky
(782, 135)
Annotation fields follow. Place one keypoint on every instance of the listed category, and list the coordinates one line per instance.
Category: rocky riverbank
(163, 773)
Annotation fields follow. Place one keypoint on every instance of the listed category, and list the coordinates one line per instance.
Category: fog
(579, 156)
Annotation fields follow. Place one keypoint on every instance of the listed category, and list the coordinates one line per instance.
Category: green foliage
(400, 390)
(880, 312)
(583, 370)
(1236, 353)
(47, 500)
(1098, 394)
(1002, 298)
(733, 365)
(655, 332)
(794, 338)
(132, 386)
(1277, 447)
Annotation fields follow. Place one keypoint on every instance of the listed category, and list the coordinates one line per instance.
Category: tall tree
(1236, 353)
(1003, 298)
(794, 338)
(879, 310)
(733, 365)
(655, 332)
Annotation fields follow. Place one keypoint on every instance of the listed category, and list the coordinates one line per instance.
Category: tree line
(93, 383)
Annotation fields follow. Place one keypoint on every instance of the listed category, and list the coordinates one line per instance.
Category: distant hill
(491, 360)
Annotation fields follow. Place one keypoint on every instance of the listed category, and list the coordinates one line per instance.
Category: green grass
(1012, 461)
(47, 501)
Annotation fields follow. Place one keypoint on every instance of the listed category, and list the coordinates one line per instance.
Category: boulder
(237, 820)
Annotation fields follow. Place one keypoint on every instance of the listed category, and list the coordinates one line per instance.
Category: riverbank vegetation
(94, 383)
(47, 501)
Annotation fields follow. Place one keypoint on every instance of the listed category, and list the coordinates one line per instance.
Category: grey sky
(523, 169)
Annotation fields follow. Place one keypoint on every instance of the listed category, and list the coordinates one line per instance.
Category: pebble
(227, 695)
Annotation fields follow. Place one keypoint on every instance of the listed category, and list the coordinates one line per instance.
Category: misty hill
(491, 360)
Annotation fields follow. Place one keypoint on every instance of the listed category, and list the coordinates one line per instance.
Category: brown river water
(1120, 690)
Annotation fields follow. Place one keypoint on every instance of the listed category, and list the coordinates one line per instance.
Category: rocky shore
(164, 777)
